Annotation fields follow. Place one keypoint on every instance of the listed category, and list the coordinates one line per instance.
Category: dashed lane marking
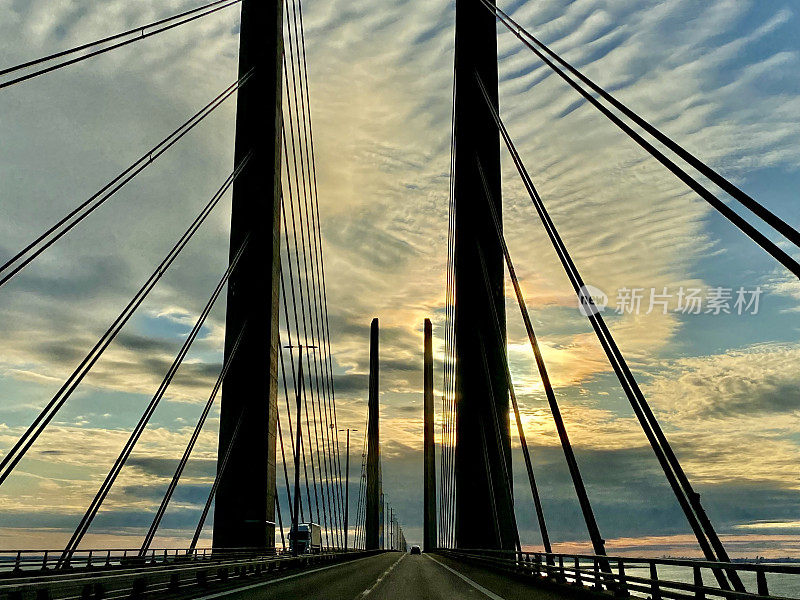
(278, 580)
(369, 590)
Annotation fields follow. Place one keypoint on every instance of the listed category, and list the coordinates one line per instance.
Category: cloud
(748, 382)
(760, 525)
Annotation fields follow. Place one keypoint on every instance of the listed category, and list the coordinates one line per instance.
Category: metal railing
(655, 578)
(17, 561)
(124, 574)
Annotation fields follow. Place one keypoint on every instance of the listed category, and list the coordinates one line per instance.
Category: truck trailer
(309, 539)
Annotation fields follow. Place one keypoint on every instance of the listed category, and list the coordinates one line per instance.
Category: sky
(716, 75)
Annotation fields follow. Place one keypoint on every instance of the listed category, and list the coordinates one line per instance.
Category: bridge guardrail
(13, 562)
(618, 574)
(175, 574)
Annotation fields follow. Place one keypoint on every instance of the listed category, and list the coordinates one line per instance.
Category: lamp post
(294, 534)
(347, 487)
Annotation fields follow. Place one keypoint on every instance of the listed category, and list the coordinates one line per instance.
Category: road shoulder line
(278, 580)
(477, 586)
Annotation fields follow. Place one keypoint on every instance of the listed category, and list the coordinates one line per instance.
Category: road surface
(389, 576)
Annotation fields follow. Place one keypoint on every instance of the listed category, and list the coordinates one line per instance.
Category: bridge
(281, 518)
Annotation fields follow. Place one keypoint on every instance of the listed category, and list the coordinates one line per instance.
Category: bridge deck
(390, 576)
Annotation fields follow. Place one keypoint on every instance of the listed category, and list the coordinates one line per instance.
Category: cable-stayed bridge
(282, 522)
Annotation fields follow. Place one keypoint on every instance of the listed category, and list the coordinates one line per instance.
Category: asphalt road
(390, 576)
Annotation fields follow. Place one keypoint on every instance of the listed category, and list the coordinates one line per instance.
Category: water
(779, 584)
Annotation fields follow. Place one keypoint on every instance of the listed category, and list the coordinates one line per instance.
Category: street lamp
(295, 532)
(347, 486)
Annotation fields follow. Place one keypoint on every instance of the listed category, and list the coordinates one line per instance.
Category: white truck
(309, 539)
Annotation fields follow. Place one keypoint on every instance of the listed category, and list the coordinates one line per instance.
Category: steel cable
(173, 484)
(302, 308)
(321, 263)
(283, 376)
(288, 327)
(735, 192)
(505, 459)
(299, 81)
(62, 227)
(186, 17)
(446, 487)
(213, 492)
(291, 437)
(12, 458)
(498, 328)
(116, 469)
(687, 498)
(598, 543)
(743, 225)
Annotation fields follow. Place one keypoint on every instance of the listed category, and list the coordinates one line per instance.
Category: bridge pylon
(484, 510)
(429, 443)
(374, 504)
(245, 500)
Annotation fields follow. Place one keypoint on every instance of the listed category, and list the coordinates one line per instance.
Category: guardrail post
(108, 558)
(699, 592)
(562, 577)
(139, 588)
(202, 578)
(655, 590)
(538, 565)
(621, 587)
(18, 561)
(598, 583)
(761, 581)
(89, 560)
(578, 580)
(174, 582)
(44, 561)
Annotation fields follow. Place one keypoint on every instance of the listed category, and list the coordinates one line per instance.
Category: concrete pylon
(373, 501)
(245, 499)
(484, 504)
(429, 444)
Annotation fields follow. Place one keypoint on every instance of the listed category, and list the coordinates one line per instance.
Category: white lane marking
(369, 590)
(278, 580)
(477, 586)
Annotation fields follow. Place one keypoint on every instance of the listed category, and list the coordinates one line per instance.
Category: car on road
(416, 550)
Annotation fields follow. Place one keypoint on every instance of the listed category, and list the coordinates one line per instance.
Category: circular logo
(591, 300)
